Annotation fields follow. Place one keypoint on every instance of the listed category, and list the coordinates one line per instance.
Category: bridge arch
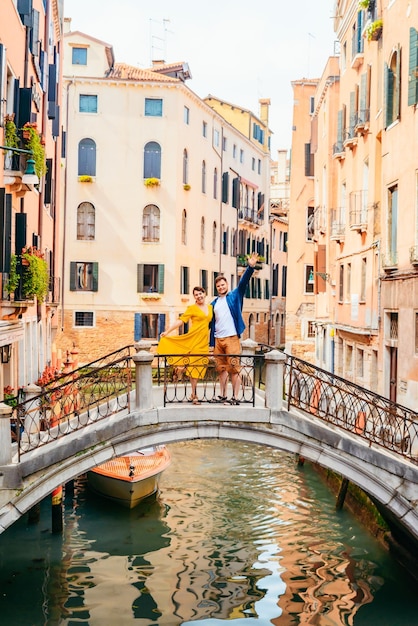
(373, 470)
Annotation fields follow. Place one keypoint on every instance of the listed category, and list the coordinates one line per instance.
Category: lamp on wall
(6, 353)
(29, 177)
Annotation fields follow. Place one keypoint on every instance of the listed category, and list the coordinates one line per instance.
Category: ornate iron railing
(75, 400)
(351, 407)
(174, 371)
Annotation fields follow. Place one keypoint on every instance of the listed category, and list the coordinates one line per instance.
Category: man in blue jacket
(226, 329)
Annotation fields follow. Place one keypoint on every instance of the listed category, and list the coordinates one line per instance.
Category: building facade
(30, 138)
(162, 194)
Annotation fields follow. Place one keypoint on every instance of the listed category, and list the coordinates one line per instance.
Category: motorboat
(130, 479)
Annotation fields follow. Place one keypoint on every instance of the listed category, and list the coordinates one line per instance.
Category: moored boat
(129, 479)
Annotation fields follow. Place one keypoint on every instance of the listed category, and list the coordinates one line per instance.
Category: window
(215, 183)
(392, 225)
(185, 167)
(309, 279)
(79, 56)
(204, 129)
(341, 289)
(148, 325)
(224, 144)
(153, 107)
(150, 278)
(225, 237)
(216, 138)
(84, 276)
(284, 281)
(151, 223)
(363, 279)
(214, 236)
(360, 363)
(275, 284)
(204, 279)
(310, 223)
(241, 156)
(84, 318)
(186, 115)
(88, 103)
(259, 166)
(311, 105)
(202, 233)
(184, 280)
(184, 227)
(253, 164)
(393, 88)
(152, 160)
(234, 151)
(87, 158)
(311, 329)
(86, 221)
(203, 177)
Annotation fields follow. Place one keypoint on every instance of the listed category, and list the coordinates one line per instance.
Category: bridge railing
(174, 372)
(74, 400)
(351, 407)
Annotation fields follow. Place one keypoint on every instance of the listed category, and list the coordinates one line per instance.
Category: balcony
(413, 255)
(390, 261)
(252, 216)
(358, 211)
(337, 232)
(362, 122)
(338, 150)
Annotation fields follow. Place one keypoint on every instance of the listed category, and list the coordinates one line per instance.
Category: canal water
(239, 534)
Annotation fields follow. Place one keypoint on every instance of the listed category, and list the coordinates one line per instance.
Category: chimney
(67, 25)
(264, 110)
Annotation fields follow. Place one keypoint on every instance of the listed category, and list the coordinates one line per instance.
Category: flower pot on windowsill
(85, 178)
(152, 182)
(186, 187)
(151, 296)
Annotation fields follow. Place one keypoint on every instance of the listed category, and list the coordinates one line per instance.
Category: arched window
(233, 242)
(202, 233)
(152, 160)
(87, 157)
(185, 167)
(151, 223)
(214, 236)
(184, 227)
(203, 177)
(393, 88)
(86, 221)
(215, 183)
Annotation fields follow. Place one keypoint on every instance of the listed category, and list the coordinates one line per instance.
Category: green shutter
(363, 95)
(397, 104)
(161, 323)
(340, 127)
(161, 278)
(413, 67)
(73, 270)
(138, 327)
(95, 269)
(140, 277)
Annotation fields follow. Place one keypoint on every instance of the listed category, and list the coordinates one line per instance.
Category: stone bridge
(387, 476)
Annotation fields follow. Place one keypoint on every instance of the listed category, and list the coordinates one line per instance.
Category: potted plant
(152, 182)
(363, 4)
(374, 30)
(35, 274)
(13, 282)
(34, 144)
(11, 138)
(186, 186)
(85, 178)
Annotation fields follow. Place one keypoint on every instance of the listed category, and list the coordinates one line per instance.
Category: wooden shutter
(340, 129)
(397, 104)
(48, 182)
(363, 92)
(95, 269)
(25, 104)
(140, 277)
(161, 323)
(413, 67)
(161, 278)
(138, 327)
(73, 273)
(20, 234)
(320, 264)
(5, 230)
(225, 187)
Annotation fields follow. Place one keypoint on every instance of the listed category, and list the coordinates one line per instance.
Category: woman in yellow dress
(195, 341)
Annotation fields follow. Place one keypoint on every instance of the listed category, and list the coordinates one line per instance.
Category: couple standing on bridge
(218, 324)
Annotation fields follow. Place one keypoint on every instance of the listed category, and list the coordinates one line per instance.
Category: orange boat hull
(130, 479)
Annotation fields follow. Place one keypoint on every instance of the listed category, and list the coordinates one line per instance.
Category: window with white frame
(151, 223)
(86, 221)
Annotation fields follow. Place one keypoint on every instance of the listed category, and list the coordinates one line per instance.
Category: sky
(237, 51)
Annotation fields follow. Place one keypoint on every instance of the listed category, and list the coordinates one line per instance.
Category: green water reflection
(239, 534)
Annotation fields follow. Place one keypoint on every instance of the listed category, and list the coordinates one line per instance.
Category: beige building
(162, 193)
(30, 94)
(363, 124)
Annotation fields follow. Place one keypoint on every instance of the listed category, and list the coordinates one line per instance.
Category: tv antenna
(159, 40)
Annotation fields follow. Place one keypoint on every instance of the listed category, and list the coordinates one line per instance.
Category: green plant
(35, 273)
(151, 182)
(186, 186)
(11, 138)
(373, 30)
(33, 143)
(363, 4)
(85, 178)
(13, 282)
